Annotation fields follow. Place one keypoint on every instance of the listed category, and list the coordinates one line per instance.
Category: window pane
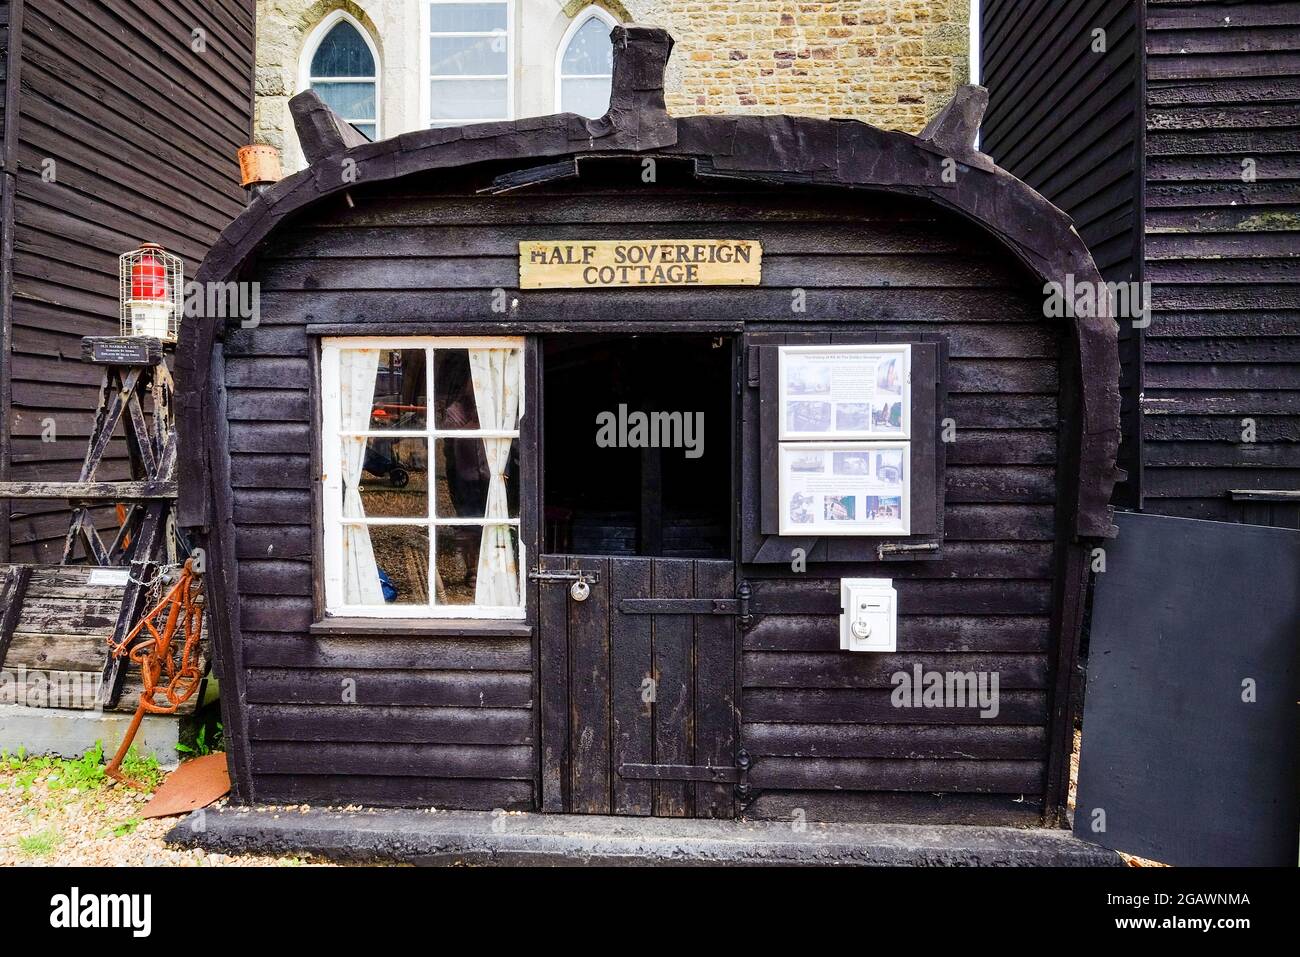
(477, 389)
(454, 406)
(402, 556)
(464, 481)
(466, 17)
(343, 52)
(395, 479)
(467, 56)
(400, 391)
(352, 101)
(367, 130)
(458, 548)
(467, 99)
(586, 97)
(465, 578)
(590, 51)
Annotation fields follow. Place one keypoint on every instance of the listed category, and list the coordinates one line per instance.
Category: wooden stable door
(638, 686)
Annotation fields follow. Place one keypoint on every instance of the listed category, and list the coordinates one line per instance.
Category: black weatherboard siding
(817, 720)
(1067, 119)
(1223, 256)
(863, 221)
(117, 131)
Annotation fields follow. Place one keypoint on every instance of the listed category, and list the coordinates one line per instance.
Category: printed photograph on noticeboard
(845, 488)
(845, 391)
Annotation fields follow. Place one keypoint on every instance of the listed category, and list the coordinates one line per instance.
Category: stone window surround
(579, 18)
(318, 33)
(393, 29)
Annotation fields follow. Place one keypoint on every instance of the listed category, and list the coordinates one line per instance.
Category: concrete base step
(70, 734)
(515, 838)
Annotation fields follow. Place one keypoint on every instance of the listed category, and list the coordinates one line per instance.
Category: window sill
(423, 627)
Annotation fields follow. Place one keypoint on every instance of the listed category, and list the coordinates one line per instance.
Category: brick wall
(892, 63)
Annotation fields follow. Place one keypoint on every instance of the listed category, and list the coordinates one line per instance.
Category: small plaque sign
(613, 263)
(109, 576)
(121, 350)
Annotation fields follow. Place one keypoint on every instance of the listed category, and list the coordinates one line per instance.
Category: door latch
(579, 590)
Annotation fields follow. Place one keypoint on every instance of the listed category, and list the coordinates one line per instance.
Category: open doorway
(637, 448)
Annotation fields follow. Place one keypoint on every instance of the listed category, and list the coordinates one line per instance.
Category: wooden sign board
(612, 263)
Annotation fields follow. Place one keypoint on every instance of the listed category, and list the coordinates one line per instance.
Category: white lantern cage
(153, 292)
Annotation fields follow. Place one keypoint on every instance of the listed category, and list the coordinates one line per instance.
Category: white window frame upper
(332, 477)
(426, 78)
(314, 38)
(577, 24)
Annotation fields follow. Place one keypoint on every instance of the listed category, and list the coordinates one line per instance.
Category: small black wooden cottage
(535, 482)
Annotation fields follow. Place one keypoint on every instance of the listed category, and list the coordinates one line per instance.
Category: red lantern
(148, 278)
(153, 282)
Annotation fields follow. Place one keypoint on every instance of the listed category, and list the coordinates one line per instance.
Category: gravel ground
(96, 825)
(44, 822)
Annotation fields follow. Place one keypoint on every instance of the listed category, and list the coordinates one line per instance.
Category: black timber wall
(142, 132)
(4, 60)
(7, 52)
(1068, 121)
(452, 720)
(1223, 87)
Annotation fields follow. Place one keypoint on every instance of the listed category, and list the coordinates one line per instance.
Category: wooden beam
(321, 131)
(92, 491)
(954, 129)
(1264, 495)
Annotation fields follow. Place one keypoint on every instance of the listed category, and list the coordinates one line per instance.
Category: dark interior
(631, 499)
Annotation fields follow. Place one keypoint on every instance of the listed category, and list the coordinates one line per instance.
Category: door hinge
(737, 774)
(738, 606)
(679, 606)
(680, 772)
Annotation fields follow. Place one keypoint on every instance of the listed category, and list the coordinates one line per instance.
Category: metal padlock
(579, 590)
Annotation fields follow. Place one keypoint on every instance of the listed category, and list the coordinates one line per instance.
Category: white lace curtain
(495, 374)
(358, 369)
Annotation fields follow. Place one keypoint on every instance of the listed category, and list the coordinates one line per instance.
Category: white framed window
(340, 62)
(420, 477)
(468, 61)
(584, 64)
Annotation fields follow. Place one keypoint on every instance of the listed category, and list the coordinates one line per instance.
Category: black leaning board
(1186, 772)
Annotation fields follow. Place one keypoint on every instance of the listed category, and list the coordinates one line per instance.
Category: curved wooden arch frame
(940, 166)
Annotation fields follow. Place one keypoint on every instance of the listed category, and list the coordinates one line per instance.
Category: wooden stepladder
(136, 393)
